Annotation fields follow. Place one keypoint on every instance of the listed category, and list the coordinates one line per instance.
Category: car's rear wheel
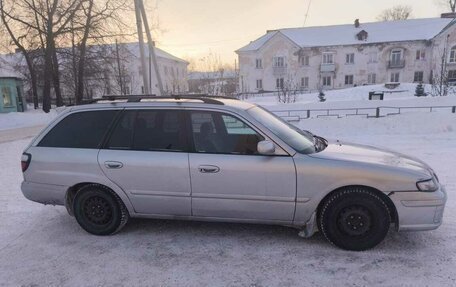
(354, 219)
(99, 211)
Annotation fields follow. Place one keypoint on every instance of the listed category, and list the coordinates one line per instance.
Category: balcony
(397, 64)
(325, 68)
(279, 71)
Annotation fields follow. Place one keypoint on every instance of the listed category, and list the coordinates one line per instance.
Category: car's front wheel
(354, 219)
(99, 211)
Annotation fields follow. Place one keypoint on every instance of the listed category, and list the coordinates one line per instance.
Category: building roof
(7, 69)
(337, 35)
(134, 48)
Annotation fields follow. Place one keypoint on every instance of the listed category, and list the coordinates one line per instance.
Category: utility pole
(151, 47)
(145, 76)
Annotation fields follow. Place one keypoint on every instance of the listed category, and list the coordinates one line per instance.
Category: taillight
(25, 161)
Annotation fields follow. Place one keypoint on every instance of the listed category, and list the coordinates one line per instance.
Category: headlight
(427, 185)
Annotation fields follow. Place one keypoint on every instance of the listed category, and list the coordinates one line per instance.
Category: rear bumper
(44, 193)
(419, 211)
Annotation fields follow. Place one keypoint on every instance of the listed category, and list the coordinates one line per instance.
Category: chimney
(357, 23)
(450, 15)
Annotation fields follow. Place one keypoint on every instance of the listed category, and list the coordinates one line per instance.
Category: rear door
(230, 179)
(146, 155)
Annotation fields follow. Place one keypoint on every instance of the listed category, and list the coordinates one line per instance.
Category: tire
(354, 219)
(99, 211)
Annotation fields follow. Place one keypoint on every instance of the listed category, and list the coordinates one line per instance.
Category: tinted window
(149, 130)
(79, 130)
(221, 133)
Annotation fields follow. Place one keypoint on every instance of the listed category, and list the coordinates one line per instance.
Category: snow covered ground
(27, 119)
(44, 246)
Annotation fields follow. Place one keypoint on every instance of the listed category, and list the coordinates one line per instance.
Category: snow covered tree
(419, 90)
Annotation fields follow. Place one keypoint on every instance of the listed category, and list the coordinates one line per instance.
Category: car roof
(218, 103)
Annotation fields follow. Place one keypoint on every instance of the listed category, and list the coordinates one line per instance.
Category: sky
(195, 28)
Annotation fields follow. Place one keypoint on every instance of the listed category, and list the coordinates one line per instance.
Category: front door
(146, 155)
(230, 179)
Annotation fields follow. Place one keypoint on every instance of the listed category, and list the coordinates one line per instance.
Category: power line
(307, 13)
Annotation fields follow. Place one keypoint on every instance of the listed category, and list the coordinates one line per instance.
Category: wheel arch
(389, 203)
(73, 190)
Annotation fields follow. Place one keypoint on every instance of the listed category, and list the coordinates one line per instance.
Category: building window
(420, 55)
(259, 84)
(452, 76)
(371, 78)
(348, 79)
(279, 83)
(395, 77)
(372, 57)
(304, 60)
(396, 57)
(259, 64)
(350, 58)
(6, 97)
(326, 81)
(305, 82)
(328, 58)
(279, 62)
(418, 77)
(453, 55)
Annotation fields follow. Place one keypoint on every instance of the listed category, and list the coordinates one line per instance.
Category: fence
(375, 112)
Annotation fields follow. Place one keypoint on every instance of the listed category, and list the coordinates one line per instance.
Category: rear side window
(150, 130)
(79, 130)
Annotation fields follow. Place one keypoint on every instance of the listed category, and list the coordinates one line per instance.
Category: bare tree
(451, 4)
(399, 12)
(38, 23)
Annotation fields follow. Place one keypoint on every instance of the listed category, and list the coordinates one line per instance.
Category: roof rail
(137, 98)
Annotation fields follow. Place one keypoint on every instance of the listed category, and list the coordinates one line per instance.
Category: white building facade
(334, 57)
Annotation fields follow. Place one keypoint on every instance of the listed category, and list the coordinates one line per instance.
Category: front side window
(215, 132)
(149, 130)
(291, 135)
(80, 130)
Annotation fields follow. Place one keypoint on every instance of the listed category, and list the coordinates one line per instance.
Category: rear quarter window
(79, 130)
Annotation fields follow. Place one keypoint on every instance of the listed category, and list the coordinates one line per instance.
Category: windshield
(299, 140)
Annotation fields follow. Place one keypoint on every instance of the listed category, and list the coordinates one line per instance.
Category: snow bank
(29, 118)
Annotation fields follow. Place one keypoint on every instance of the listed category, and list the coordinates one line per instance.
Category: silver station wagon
(219, 159)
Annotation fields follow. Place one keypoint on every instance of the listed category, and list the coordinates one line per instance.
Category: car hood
(339, 150)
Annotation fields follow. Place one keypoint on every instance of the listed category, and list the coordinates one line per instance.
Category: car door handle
(208, 169)
(113, 164)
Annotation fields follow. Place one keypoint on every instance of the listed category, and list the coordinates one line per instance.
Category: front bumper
(419, 210)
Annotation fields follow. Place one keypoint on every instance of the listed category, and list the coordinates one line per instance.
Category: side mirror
(266, 147)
